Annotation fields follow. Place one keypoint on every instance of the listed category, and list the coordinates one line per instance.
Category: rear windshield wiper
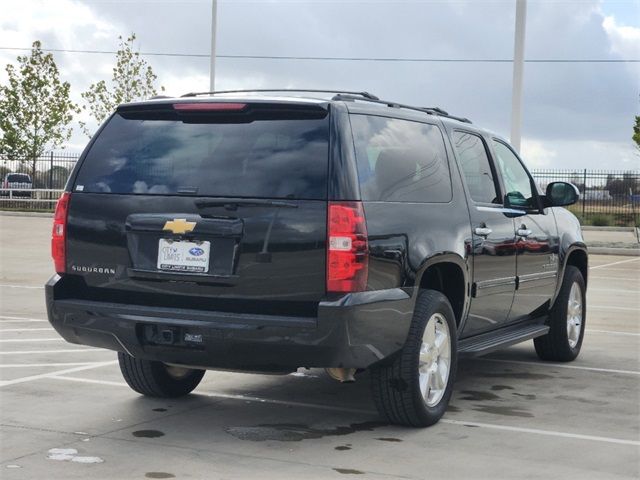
(240, 202)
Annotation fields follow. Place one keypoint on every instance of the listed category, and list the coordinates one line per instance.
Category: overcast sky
(575, 115)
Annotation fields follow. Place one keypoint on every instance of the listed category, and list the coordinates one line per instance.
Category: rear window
(400, 160)
(279, 158)
(18, 178)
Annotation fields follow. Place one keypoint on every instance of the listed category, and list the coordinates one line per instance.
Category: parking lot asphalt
(511, 416)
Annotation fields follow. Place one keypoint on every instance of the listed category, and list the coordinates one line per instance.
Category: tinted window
(262, 158)
(476, 168)
(516, 180)
(399, 160)
(18, 178)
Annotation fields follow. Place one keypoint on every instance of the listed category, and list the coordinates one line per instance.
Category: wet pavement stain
(389, 439)
(571, 398)
(477, 396)
(527, 396)
(503, 410)
(159, 409)
(342, 448)
(147, 433)
(159, 475)
(498, 388)
(292, 432)
(349, 471)
(517, 375)
(453, 409)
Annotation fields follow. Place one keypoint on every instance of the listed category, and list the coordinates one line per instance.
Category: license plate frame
(182, 256)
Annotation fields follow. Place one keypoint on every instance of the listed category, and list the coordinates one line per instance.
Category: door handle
(523, 232)
(482, 231)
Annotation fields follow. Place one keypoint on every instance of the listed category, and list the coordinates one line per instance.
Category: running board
(499, 339)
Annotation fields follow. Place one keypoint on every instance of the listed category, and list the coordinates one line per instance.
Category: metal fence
(48, 174)
(606, 197)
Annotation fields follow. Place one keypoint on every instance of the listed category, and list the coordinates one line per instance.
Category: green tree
(133, 79)
(636, 132)
(35, 108)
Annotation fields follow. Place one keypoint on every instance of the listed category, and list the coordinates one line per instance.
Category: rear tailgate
(215, 209)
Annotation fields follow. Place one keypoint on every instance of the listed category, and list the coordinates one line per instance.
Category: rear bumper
(355, 331)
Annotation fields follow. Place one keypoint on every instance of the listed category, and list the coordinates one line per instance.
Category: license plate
(178, 256)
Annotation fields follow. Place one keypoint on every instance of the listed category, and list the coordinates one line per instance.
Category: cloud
(537, 155)
(566, 106)
(624, 40)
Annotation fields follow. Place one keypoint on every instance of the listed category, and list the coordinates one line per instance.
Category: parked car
(267, 233)
(20, 185)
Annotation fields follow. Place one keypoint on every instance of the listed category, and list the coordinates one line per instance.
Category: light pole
(212, 65)
(518, 70)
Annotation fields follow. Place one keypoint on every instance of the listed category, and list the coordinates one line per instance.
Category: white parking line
(619, 270)
(613, 332)
(622, 279)
(48, 329)
(463, 423)
(15, 340)
(39, 365)
(51, 374)
(5, 319)
(560, 365)
(29, 352)
(613, 290)
(551, 433)
(606, 307)
(89, 380)
(30, 287)
(614, 263)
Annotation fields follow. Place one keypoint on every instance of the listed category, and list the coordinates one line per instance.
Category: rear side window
(400, 160)
(476, 168)
(283, 158)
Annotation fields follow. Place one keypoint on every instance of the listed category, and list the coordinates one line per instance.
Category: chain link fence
(607, 198)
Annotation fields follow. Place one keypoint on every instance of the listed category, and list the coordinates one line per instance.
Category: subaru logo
(196, 252)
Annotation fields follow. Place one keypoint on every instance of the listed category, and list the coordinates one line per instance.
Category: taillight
(347, 248)
(59, 233)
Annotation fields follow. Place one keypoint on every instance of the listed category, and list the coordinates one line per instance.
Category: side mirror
(560, 194)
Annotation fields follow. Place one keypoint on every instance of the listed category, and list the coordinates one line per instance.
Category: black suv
(265, 232)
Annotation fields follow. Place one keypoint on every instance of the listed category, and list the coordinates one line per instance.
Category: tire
(564, 340)
(396, 386)
(155, 379)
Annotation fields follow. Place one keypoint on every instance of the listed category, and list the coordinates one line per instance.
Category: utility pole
(212, 66)
(518, 70)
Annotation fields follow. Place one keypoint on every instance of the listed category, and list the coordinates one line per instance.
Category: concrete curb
(627, 252)
(8, 213)
(631, 252)
(590, 228)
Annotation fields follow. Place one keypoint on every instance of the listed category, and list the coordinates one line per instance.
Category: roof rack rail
(430, 110)
(366, 95)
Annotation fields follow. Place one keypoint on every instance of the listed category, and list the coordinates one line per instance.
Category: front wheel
(566, 320)
(157, 379)
(415, 387)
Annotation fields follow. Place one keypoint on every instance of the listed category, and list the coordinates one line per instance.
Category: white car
(20, 183)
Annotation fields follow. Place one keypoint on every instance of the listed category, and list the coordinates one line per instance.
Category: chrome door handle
(523, 232)
(482, 231)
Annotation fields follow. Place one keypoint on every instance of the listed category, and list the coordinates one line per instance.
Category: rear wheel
(156, 379)
(566, 320)
(415, 388)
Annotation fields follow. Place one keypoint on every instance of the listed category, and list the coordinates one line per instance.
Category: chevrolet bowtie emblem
(179, 226)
